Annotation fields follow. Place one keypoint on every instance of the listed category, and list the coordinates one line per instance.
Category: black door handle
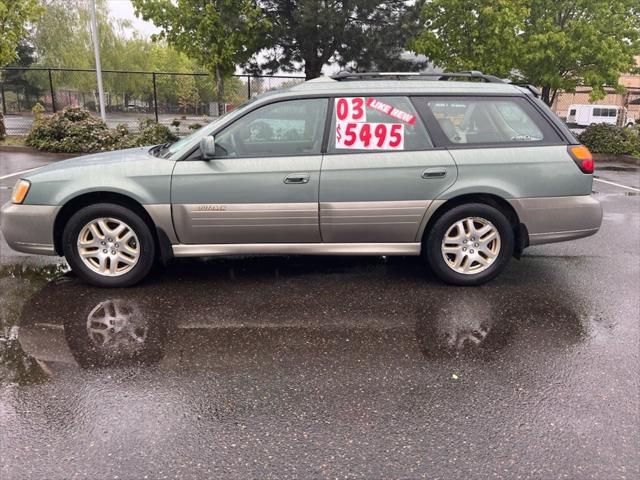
(434, 173)
(297, 178)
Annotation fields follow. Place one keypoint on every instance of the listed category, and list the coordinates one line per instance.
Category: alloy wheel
(108, 246)
(471, 245)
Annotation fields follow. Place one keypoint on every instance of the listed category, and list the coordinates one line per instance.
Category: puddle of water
(18, 284)
(618, 168)
(618, 194)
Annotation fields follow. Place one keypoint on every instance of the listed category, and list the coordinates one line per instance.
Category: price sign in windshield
(351, 109)
(370, 136)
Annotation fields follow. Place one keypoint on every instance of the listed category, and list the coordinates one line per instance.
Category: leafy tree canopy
(555, 44)
(61, 38)
(219, 34)
(361, 34)
(14, 18)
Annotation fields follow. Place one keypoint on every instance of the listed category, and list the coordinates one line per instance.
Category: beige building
(627, 99)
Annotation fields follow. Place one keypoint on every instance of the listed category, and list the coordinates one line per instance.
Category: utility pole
(96, 49)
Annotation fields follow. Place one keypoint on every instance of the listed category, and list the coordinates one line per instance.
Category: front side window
(597, 112)
(376, 123)
(292, 127)
(485, 120)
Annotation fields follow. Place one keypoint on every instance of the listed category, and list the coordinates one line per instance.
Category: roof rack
(472, 74)
(532, 88)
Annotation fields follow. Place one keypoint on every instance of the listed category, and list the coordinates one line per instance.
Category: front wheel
(469, 245)
(108, 245)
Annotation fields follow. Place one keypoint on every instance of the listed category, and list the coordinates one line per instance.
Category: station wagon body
(466, 173)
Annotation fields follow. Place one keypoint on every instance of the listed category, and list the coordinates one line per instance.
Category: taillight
(583, 158)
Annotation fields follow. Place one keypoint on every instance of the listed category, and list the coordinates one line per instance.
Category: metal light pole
(96, 49)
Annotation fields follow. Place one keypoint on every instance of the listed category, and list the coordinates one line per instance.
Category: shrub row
(612, 140)
(75, 130)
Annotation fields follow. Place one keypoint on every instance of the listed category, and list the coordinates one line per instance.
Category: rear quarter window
(486, 121)
(376, 123)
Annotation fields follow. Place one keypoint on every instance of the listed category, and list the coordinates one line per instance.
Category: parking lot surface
(330, 367)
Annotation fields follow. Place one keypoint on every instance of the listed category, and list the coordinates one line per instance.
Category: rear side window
(376, 123)
(488, 120)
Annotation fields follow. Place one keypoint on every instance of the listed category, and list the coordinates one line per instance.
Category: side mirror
(208, 147)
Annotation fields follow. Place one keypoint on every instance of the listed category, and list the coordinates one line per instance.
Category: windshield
(194, 137)
(185, 140)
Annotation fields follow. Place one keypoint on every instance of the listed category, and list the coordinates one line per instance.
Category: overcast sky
(123, 9)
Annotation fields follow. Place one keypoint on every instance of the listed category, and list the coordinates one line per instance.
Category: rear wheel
(108, 245)
(469, 245)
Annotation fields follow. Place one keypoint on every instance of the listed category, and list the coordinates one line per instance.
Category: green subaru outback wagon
(463, 169)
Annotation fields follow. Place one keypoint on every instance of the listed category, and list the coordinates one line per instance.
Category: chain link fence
(182, 101)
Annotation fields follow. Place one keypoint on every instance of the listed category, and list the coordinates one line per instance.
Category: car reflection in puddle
(473, 325)
(91, 330)
(260, 322)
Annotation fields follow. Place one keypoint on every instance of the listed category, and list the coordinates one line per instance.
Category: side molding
(182, 250)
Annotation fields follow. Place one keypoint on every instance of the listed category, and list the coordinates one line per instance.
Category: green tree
(62, 39)
(567, 43)
(187, 92)
(14, 18)
(362, 34)
(219, 34)
(22, 80)
(554, 44)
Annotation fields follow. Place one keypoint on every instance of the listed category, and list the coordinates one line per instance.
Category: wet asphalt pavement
(294, 367)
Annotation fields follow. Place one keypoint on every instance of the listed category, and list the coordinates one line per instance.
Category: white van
(585, 115)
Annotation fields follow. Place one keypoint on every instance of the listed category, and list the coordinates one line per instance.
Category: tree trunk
(554, 94)
(220, 89)
(3, 130)
(546, 95)
(312, 68)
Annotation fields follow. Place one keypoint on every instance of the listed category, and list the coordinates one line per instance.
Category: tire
(130, 248)
(486, 255)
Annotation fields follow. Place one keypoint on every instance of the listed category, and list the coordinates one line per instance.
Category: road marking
(15, 174)
(617, 184)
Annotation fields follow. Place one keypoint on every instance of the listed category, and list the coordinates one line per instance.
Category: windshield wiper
(158, 150)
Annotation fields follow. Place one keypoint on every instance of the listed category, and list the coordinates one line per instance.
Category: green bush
(612, 140)
(38, 110)
(75, 130)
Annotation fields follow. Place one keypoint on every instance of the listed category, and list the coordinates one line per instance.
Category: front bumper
(29, 228)
(558, 219)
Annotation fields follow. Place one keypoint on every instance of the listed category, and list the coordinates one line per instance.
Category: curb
(33, 151)
(604, 158)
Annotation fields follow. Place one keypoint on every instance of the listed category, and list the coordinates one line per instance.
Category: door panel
(375, 187)
(382, 196)
(262, 185)
(246, 200)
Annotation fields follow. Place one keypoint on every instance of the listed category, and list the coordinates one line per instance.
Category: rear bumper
(558, 219)
(29, 228)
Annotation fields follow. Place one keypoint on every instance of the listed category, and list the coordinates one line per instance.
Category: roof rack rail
(532, 88)
(346, 76)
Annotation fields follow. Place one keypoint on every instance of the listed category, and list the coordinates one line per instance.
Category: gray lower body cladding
(29, 228)
(348, 228)
(558, 219)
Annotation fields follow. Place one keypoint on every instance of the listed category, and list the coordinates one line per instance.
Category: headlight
(20, 191)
